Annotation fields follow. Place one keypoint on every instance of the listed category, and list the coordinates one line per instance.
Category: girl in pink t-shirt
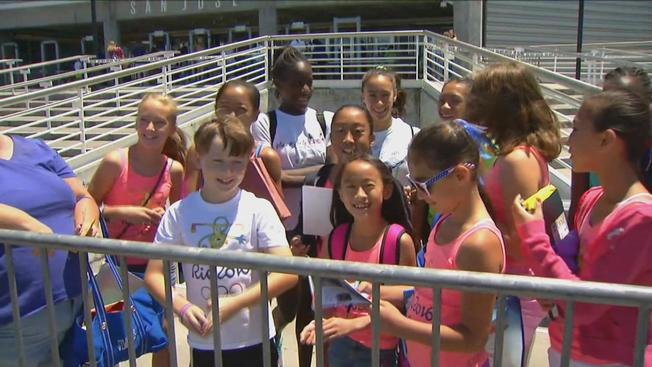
(610, 137)
(368, 201)
(443, 161)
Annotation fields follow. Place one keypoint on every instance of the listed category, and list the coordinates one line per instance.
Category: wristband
(82, 197)
(184, 310)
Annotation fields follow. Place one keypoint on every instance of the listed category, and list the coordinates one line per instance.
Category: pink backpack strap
(338, 241)
(390, 250)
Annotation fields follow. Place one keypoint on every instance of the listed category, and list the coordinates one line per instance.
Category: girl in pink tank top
(135, 184)
(443, 161)
(368, 202)
(507, 99)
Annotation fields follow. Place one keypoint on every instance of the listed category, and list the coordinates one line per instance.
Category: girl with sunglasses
(443, 161)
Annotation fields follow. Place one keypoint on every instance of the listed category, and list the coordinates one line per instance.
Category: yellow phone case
(531, 203)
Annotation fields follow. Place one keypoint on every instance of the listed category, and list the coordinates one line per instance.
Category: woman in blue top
(39, 192)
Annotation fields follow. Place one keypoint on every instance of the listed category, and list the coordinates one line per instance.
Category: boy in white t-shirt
(226, 218)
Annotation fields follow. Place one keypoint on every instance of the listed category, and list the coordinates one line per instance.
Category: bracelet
(184, 310)
(82, 197)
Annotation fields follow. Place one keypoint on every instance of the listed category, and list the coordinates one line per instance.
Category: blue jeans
(36, 335)
(346, 352)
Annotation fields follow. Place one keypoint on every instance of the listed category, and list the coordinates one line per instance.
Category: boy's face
(222, 171)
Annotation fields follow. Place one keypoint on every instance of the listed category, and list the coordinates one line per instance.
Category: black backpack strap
(322, 122)
(272, 126)
(412, 130)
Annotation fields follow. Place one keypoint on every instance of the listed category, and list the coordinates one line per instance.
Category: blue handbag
(109, 327)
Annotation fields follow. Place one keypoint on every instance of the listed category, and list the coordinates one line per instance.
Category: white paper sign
(316, 210)
(337, 292)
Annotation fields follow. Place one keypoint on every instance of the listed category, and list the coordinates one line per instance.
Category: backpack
(390, 249)
(273, 123)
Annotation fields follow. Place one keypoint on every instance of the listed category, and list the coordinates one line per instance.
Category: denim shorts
(346, 352)
(36, 335)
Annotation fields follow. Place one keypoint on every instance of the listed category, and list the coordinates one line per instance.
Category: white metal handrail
(569, 292)
(104, 104)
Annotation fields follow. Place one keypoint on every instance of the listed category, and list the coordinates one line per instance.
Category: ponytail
(175, 146)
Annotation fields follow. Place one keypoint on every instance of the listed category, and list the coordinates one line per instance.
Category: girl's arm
(176, 176)
(277, 283)
(87, 213)
(627, 258)
(296, 177)
(189, 314)
(480, 252)
(105, 175)
(517, 179)
(272, 162)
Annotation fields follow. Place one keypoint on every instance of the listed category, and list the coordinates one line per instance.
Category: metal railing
(597, 58)
(570, 292)
(86, 70)
(82, 117)
(41, 69)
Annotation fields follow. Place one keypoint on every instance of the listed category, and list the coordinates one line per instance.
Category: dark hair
(236, 138)
(394, 210)
(398, 108)
(629, 117)
(619, 77)
(254, 94)
(445, 145)
(362, 109)
(175, 144)
(286, 62)
(506, 98)
(464, 81)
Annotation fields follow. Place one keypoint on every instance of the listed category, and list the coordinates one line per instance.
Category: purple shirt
(32, 181)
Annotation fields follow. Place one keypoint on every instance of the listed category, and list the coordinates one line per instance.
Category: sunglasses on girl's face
(425, 186)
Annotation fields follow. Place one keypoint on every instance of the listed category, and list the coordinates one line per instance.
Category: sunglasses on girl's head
(427, 184)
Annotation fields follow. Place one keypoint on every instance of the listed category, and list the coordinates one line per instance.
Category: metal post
(436, 326)
(266, 64)
(580, 31)
(642, 327)
(500, 331)
(164, 71)
(264, 320)
(319, 318)
(375, 325)
(416, 58)
(82, 123)
(86, 304)
(15, 310)
(124, 274)
(568, 334)
(215, 309)
(169, 313)
(341, 58)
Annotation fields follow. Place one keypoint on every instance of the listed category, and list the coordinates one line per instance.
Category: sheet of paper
(316, 210)
(337, 292)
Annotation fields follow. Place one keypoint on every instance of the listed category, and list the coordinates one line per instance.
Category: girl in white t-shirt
(383, 97)
(223, 217)
(299, 134)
